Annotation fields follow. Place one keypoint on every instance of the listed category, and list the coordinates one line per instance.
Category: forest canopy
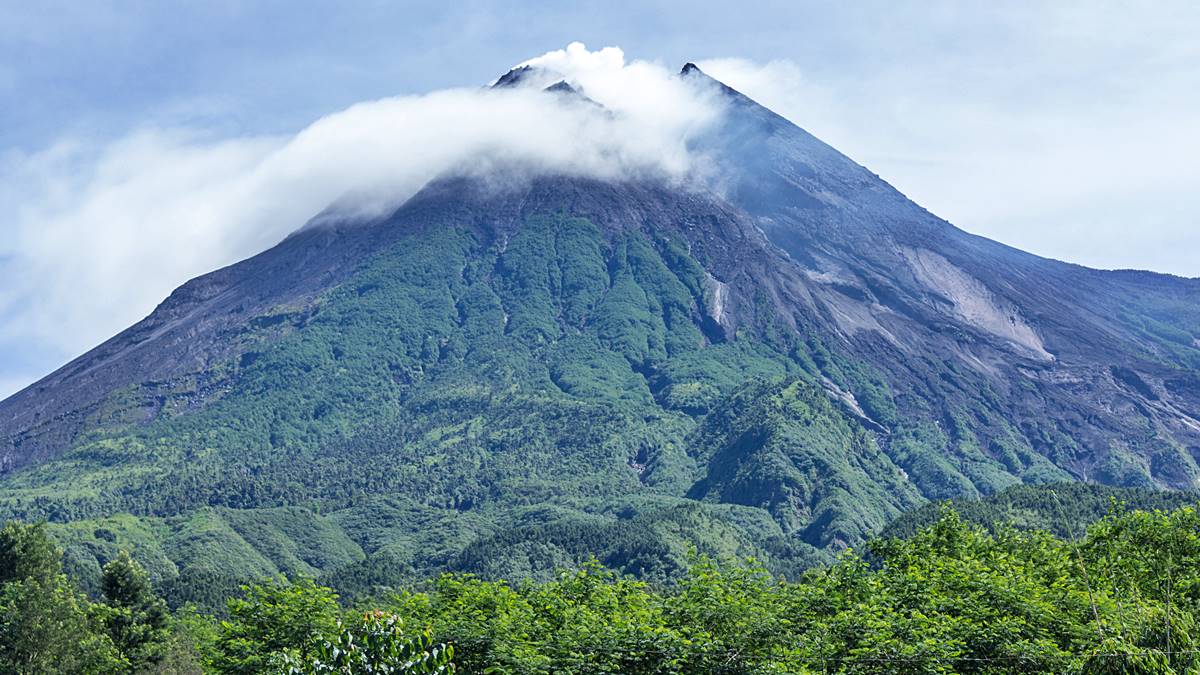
(953, 597)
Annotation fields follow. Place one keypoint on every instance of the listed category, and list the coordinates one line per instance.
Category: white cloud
(103, 233)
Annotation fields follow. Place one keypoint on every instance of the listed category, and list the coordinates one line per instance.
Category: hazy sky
(1067, 129)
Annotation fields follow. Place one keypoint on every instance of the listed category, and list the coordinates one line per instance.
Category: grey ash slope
(801, 348)
(1095, 370)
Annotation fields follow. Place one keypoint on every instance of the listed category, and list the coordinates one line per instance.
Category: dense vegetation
(507, 404)
(1063, 509)
(951, 598)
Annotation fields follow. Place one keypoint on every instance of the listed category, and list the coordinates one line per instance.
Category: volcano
(505, 377)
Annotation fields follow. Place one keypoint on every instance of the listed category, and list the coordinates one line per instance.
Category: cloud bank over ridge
(102, 233)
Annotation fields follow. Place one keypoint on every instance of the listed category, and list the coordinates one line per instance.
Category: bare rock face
(972, 303)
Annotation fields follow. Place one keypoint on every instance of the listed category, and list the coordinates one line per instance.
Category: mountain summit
(504, 376)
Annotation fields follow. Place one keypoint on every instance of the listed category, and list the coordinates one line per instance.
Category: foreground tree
(379, 644)
(46, 625)
(26, 552)
(137, 619)
(275, 618)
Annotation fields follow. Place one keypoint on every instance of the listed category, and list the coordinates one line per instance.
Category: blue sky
(1063, 128)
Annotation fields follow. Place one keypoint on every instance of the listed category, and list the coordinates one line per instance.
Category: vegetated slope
(1063, 509)
(508, 379)
(477, 370)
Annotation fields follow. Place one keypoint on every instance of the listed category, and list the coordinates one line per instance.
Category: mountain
(508, 378)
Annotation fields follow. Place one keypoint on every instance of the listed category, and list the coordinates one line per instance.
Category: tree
(275, 617)
(45, 623)
(137, 620)
(26, 552)
(377, 643)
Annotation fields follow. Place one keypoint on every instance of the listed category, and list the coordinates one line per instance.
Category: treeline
(952, 598)
(1063, 509)
(48, 626)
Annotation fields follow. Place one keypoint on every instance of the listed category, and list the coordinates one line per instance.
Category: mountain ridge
(792, 356)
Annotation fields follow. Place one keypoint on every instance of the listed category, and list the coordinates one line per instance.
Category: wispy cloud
(1062, 128)
(104, 232)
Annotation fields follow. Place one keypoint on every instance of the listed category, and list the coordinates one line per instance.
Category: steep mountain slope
(505, 379)
(490, 353)
(1093, 370)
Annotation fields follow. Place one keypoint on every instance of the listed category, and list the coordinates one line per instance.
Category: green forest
(950, 597)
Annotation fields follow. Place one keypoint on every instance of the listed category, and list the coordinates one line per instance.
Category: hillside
(511, 378)
(1064, 510)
